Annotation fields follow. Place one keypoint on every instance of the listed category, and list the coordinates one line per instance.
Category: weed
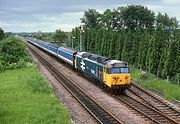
(149, 81)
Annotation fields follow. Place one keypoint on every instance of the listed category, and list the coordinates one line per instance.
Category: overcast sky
(49, 15)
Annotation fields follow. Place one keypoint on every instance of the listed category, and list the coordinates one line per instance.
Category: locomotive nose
(120, 79)
(116, 80)
(115, 77)
(126, 77)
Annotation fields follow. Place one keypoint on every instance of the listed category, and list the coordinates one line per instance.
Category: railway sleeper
(150, 113)
(174, 114)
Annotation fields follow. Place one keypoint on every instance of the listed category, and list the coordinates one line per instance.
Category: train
(110, 74)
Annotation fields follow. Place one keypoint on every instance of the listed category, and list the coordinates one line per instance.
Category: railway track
(101, 114)
(96, 110)
(145, 110)
(155, 102)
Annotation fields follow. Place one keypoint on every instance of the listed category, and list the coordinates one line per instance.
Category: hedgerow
(13, 54)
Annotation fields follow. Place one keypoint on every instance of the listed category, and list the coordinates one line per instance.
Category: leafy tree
(126, 52)
(137, 16)
(60, 36)
(76, 35)
(103, 50)
(100, 41)
(113, 45)
(133, 34)
(120, 44)
(2, 35)
(90, 18)
(177, 59)
(173, 60)
(105, 19)
(8, 34)
(165, 22)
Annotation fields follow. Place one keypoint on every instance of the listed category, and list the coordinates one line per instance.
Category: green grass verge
(149, 81)
(26, 98)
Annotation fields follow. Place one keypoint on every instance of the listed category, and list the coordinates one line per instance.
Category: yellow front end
(117, 80)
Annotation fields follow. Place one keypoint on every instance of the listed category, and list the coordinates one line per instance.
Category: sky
(49, 15)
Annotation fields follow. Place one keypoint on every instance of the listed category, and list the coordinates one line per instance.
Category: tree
(2, 35)
(137, 16)
(133, 34)
(90, 18)
(165, 22)
(60, 36)
(111, 19)
(173, 61)
(99, 41)
(127, 47)
(105, 19)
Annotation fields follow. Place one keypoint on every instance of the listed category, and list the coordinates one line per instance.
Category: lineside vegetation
(25, 96)
(130, 33)
(13, 54)
(134, 34)
(162, 87)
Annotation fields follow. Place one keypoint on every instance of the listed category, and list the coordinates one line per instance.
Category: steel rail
(145, 110)
(155, 102)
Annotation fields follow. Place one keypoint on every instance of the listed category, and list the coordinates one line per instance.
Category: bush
(13, 54)
(143, 75)
(1, 67)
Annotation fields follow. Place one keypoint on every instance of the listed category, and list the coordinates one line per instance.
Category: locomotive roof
(94, 57)
(103, 60)
(116, 63)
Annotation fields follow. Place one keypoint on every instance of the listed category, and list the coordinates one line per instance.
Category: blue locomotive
(112, 74)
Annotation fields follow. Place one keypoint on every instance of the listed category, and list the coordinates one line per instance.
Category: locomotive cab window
(119, 70)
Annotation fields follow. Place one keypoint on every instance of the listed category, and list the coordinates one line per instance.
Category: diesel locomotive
(112, 74)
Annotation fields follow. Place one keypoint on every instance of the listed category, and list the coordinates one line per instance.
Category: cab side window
(107, 70)
(100, 73)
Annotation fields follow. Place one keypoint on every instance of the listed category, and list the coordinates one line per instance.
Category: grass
(149, 81)
(26, 98)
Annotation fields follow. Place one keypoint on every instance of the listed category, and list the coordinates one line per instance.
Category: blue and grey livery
(113, 74)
